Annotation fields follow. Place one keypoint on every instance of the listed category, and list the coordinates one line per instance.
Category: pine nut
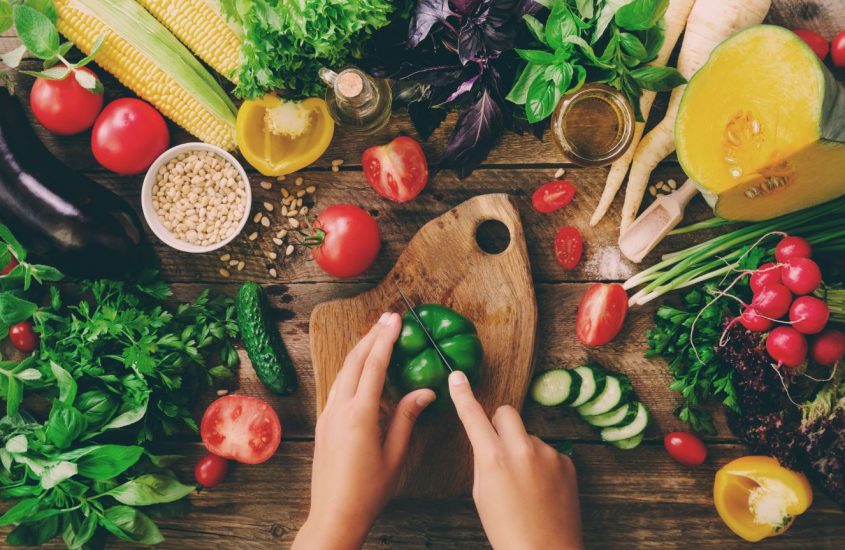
(225, 257)
(253, 236)
(266, 185)
(224, 272)
(289, 250)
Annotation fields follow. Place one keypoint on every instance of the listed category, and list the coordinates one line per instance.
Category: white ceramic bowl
(152, 217)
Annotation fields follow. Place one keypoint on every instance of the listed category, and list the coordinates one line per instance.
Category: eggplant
(61, 217)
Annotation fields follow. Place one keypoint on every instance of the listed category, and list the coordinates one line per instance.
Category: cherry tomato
(601, 314)
(685, 448)
(211, 470)
(397, 171)
(552, 196)
(241, 428)
(816, 42)
(765, 275)
(792, 247)
(837, 50)
(568, 247)
(346, 240)
(128, 136)
(13, 262)
(63, 106)
(23, 337)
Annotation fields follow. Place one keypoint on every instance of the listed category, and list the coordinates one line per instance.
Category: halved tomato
(552, 196)
(601, 314)
(241, 428)
(397, 171)
(568, 247)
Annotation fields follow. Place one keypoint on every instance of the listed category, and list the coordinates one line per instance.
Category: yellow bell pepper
(279, 137)
(757, 498)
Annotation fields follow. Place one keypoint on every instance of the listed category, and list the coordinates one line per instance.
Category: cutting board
(444, 264)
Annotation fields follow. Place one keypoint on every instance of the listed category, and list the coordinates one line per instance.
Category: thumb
(478, 427)
(402, 424)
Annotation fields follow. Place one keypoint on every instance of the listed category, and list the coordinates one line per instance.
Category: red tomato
(397, 171)
(601, 314)
(552, 196)
(816, 42)
(568, 247)
(63, 106)
(128, 136)
(346, 240)
(23, 337)
(211, 470)
(13, 262)
(837, 50)
(241, 428)
(685, 448)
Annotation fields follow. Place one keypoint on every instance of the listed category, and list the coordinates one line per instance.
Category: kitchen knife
(422, 327)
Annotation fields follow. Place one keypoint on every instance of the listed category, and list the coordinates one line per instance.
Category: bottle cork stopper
(350, 84)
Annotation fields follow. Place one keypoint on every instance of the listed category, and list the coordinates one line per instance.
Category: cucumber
(553, 387)
(263, 344)
(592, 383)
(624, 414)
(577, 381)
(617, 390)
(630, 443)
(629, 430)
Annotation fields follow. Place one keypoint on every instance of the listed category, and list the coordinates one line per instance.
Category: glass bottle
(356, 100)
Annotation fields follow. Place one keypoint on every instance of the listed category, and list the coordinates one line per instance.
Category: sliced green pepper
(415, 362)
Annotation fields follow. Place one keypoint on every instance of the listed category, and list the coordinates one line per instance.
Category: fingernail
(383, 319)
(391, 320)
(425, 399)
(458, 378)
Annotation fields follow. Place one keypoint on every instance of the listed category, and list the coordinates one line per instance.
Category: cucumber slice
(624, 414)
(616, 391)
(630, 443)
(625, 431)
(593, 382)
(553, 387)
(575, 391)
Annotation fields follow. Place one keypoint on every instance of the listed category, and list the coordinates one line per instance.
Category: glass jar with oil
(593, 126)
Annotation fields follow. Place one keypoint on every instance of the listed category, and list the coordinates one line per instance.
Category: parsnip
(710, 22)
(674, 20)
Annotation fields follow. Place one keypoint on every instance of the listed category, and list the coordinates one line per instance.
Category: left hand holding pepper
(356, 467)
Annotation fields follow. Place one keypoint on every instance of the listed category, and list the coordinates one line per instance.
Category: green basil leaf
(128, 417)
(20, 511)
(640, 15)
(632, 46)
(46, 7)
(5, 16)
(586, 8)
(64, 425)
(519, 92)
(7, 237)
(97, 407)
(151, 489)
(658, 79)
(14, 396)
(65, 383)
(588, 52)
(36, 31)
(17, 444)
(34, 534)
(108, 461)
(605, 17)
(538, 57)
(560, 24)
(653, 39)
(28, 374)
(78, 532)
(14, 310)
(543, 96)
(536, 27)
(56, 472)
(131, 525)
(42, 273)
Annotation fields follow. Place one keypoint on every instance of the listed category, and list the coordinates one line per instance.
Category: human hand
(356, 466)
(525, 491)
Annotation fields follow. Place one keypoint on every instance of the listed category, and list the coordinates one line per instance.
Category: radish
(772, 301)
(765, 275)
(787, 346)
(808, 314)
(801, 275)
(753, 321)
(828, 347)
(792, 247)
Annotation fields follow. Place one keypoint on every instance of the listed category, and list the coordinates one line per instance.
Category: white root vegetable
(710, 23)
(674, 20)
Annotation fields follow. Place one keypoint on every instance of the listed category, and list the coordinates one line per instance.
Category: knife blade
(425, 330)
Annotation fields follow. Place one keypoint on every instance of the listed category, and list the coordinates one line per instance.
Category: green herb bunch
(608, 41)
(118, 369)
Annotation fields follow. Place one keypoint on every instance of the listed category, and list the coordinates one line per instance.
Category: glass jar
(593, 126)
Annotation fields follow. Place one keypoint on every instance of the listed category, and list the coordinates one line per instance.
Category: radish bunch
(781, 291)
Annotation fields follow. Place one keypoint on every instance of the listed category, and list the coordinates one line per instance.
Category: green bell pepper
(416, 364)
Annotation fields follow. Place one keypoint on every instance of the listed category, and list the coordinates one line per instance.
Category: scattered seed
(277, 241)
(303, 211)
(293, 222)
(225, 257)
(265, 221)
(233, 262)
(224, 272)
(282, 233)
(253, 235)
(337, 162)
(280, 178)
(310, 189)
(266, 185)
(221, 393)
(298, 181)
(272, 255)
(284, 211)
(298, 203)
(560, 172)
(273, 273)
(289, 250)
(335, 169)
(300, 193)
(268, 206)
(241, 266)
(257, 217)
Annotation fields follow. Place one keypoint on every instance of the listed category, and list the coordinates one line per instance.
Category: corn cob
(151, 62)
(200, 25)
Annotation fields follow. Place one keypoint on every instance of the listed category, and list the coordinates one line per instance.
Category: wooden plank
(629, 499)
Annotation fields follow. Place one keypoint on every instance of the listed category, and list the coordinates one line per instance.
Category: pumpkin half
(761, 127)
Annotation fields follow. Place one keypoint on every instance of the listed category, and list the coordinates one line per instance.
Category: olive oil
(593, 126)
(357, 100)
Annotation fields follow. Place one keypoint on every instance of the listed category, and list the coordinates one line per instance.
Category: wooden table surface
(635, 499)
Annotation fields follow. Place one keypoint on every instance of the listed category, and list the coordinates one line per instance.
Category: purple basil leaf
(466, 7)
(426, 119)
(426, 15)
(500, 25)
(475, 134)
(469, 43)
(440, 76)
(465, 87)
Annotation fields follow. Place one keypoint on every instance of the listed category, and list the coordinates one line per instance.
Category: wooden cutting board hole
(493, 237)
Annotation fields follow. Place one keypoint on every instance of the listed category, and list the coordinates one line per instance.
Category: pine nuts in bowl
(196, 197)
